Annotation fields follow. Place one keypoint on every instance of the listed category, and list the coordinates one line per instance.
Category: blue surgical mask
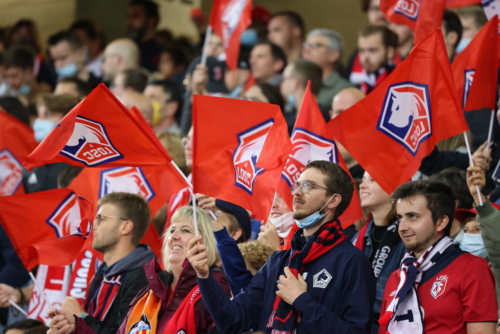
(249, 37)
(473, 243)
(313, 218)
(42, 128)
(290, 103)
(67, 71)
(464, 42)
(25, 89)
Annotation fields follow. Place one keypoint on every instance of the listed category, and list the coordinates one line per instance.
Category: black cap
(239, 213)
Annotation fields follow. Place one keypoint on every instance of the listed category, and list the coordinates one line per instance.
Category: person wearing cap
(488, 217)
(237, 79)
(231, 224)
(472, 241)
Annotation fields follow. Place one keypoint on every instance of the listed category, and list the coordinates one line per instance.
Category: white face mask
(283, 223)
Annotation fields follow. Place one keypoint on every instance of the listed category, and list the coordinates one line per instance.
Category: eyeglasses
(98, 218)
(305, 187)
(314, 45)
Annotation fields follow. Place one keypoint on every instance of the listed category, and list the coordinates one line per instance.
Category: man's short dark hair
(305, 71)
(389, 37)
(66, 176)
(177, 55)
(276, 52)
(132, 207)
(14, 107)
(26, 324)
(136, 79)
(82, 88)
(66, 36)
(451, 22)
(272, 94)
(439, 196)
(475, 12)
(150, 8)
(169, 88)
(19, 56)
(293, 18)
(62, 103)
(457, 180)
(337, 181)
(88, 26)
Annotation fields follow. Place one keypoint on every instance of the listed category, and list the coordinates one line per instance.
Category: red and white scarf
(404, 315)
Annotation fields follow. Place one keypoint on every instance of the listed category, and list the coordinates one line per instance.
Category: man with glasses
(325, 47)
(323, 284)
(121, 222)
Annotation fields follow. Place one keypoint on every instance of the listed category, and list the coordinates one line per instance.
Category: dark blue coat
(339, 298)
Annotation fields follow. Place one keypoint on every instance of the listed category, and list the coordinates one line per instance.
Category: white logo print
(321, 279)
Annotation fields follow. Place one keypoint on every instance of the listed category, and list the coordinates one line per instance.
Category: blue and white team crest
(11, 173)
(408, 8)
(247, 153)
(406, 114)
(307, 147)
(231, 18)
(66, 218)
(468, 79)
(125, 179)
(90, 144)
(439, 286)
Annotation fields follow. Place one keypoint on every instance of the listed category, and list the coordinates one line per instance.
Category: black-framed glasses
(98, 218)
(305, 187)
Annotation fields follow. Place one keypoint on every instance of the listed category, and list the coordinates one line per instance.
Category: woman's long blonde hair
(205, 229)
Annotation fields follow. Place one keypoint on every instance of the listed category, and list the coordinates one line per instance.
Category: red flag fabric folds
(16, 141)
(240, 149)
(229, 18)
(312, 141)
(56, 222)
(391, 130)
(101, 131)
(421, 16)
(475, 69)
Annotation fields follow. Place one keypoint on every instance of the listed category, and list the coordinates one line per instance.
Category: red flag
(149, 182)
(461, 3)
(475, 69)
(229, 18)
(46, 220)
(312, 141)
(391, 130)
(240, 148)
(101, 131)
(16, 141)
(422, 16)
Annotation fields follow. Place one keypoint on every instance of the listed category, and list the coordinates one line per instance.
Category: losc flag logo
(406, 114)
(306, 147)
(90, 144)
(11, 173)
(65, 220)
(468, 79)
(231, 18)
(125, 179)
(408, 8)
(245, 157)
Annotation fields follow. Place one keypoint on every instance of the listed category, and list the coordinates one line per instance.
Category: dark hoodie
(113, 288)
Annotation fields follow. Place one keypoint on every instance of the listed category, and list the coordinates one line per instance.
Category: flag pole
(17, 307)
(205, 45)
(472, 165)
(40, 289)
(490, 131)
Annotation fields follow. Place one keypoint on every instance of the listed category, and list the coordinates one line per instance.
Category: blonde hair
(185, 213)
(173, 145)
(256, 253)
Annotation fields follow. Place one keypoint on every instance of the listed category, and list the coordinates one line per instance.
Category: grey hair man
(325, 47)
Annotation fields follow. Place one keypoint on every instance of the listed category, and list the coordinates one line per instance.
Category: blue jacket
(392, 263)
(237, 274)
(344, 305)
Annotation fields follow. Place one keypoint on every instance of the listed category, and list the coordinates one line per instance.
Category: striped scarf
(283, 319)
(100, 303)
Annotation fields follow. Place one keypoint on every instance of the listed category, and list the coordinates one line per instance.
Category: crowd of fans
(423, 259)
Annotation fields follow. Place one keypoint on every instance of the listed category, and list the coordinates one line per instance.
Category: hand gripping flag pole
(472, 165)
